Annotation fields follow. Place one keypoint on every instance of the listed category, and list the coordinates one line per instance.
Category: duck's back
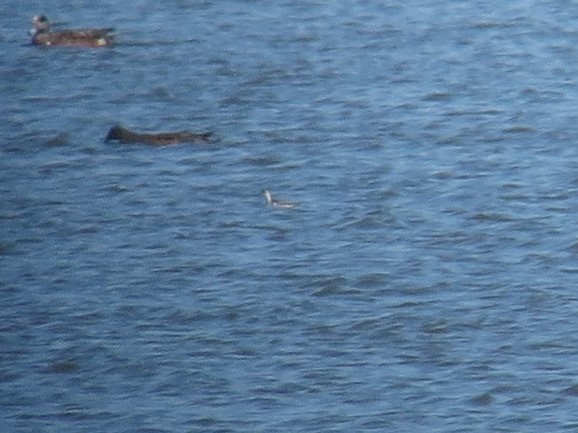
(81, 37)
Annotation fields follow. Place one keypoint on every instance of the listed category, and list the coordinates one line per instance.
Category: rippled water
(426, 282)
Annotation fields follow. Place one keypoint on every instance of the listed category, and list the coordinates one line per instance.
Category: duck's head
(40, 23)
(115, 133)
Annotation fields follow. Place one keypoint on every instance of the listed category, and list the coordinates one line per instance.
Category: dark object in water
(118, 133)
(41, 35)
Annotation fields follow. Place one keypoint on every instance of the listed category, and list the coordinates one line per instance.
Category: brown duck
(42, 35)
(118, 133)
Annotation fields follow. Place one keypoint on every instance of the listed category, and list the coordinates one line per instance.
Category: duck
(123, 135)
(42, 35)
(272, 201)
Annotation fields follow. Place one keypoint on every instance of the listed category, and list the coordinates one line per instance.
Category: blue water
(426, 283)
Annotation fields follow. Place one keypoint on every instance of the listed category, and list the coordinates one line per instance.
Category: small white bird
(272, 201)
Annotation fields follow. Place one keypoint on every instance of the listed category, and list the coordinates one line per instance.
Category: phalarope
(272, 201)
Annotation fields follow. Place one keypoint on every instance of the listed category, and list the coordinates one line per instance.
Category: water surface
(426, 282)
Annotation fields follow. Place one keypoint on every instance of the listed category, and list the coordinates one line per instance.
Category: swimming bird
(42, 35)
(272, 201)
(118, 133)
